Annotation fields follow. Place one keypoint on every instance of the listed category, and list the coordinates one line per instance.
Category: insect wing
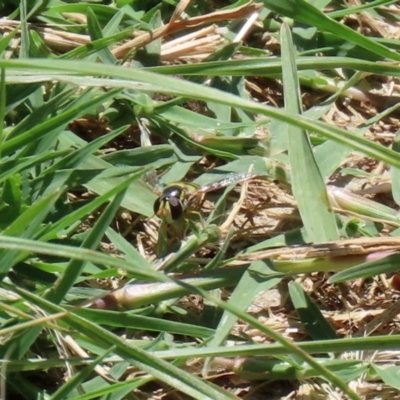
(233, 178)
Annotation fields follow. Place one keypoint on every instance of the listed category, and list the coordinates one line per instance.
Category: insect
(177, 198)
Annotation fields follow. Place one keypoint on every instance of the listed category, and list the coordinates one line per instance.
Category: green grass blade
(304, 12)
(141, 322)
(389, 375)
(157, 368)
(75, 267)
(76, 158)
(191, 90)
(27, 225)
(95, 33)
(395, 172)
(56, 122)
(37, 116)
(385, 265)
(2, 106)
(71, 218)
(25, 39)
(79, 377)
(127, 248)
(272, 67)
(248, 288)
(70, 252)
(291, 347)
(374, 343)
(307, 184)
(310, 315)
(362, 7)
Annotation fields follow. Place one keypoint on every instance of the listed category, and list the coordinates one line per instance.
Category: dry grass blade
(180, 24)
(56, 39)
(349, 247)
(195, 45)
(380, 320)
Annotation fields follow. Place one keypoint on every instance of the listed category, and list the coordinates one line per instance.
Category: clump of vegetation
(268, 268)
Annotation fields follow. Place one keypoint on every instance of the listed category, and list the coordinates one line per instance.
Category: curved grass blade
(272, 67)
(92, 240)
(95, 33)
(191, 90)
(142, 322)
(70, 252)
(389, 375)
(302, 11)
(57, 122)
(76, 380)
(372, 343)
(27, 225)
(2, 106)
(143, 360)
(290, 347)
(383, 265)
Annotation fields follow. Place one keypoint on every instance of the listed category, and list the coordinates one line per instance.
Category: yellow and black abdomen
(171, 204)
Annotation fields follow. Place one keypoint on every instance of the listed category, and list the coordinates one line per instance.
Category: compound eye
(157, 205)
(176, 207)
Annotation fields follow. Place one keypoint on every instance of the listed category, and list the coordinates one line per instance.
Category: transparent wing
(153, 180)
(231, 179)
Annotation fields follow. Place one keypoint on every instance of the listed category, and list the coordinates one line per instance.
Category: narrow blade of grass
(27, 225)
(74, 268)
(395, 172)
(385, 265)
(157, 368)
(310, 315)
(307, 184)
(302, 11)
(258, 278)
(77, 379)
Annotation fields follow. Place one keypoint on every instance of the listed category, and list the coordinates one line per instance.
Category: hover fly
(178, 198)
